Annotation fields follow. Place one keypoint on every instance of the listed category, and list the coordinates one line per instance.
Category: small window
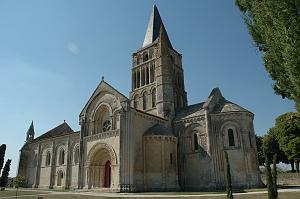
(153, 94)
(196, 145)
(48, 158)
(61, 157)
(145, 57)
(145, 101)
(171, 158)
(106, 126)
(231, 137)
(135, 101)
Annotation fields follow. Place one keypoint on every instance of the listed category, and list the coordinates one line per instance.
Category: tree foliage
(275, 28)
(270, 142)
(5, 173)
(259, 145)
(2, 154)
(287, 131)
(19, 181)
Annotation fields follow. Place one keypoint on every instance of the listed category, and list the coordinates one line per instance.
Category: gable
(105, 92)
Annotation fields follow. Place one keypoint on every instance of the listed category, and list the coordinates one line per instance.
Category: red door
(107, 175)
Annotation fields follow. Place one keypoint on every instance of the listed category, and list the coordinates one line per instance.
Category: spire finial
(102, 78)
(30, 132)
(152, 32)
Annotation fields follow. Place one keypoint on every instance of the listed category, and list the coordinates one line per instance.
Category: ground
(287, 193)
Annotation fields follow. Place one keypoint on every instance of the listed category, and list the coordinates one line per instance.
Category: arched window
(153, 96)
(143, 77)
(145, 57)
(144, 100)
(48, 158)
(147, 75)
(172, 59)
(60, 177)
(135, 101)
(171, 158)
(76, 155)
(231, 137)
(151, 53)
(138, 79)
(138, 60)
(61, 160)
(133, 80)
(196, 144)
(152, 73)
(106, 126)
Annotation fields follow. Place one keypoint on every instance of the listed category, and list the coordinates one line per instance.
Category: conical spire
(163, 42)
(30, 132)
(153, 28)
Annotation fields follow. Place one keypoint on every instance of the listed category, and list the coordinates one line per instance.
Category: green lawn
(32, 194)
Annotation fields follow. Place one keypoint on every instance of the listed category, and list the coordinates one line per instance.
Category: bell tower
(30, 133)
(157, 74)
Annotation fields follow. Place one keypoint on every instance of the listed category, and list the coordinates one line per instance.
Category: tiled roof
(190, 111)
(60, 130)
(159, 129)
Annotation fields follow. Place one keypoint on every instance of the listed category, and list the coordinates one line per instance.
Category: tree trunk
(297, 165)
(269, 179)
(275, 176)
(293, 166)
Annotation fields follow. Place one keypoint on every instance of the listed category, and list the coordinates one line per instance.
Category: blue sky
(53, 54)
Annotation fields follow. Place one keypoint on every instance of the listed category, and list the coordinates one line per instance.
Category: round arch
(98, 147)
(98, 107)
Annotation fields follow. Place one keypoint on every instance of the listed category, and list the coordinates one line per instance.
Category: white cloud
(73, 48)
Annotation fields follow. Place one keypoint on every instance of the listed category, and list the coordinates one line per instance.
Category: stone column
(140, 73)
(69, 165)
(87, 180)
(38, 166)
(101, 175)
(53, 162)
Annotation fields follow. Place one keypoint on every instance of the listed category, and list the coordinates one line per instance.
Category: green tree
(260, 153)
(269, 177)
(287, 128)
(274, 175)
(5, 173)
(275, 28)
(2, 154)
(19, 181)
(228, 178)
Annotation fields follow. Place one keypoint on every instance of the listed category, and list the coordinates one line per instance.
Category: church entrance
(60, 177)
(100, 169)
(107, 175)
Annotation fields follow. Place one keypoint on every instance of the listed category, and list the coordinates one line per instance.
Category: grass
(33, 194)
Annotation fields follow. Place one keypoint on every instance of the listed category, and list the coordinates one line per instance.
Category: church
(152, 140)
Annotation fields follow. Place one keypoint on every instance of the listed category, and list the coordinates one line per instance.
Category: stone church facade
(150, 141)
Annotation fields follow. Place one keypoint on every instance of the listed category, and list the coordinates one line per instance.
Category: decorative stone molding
(161, 137)
(148, 116)
(102, 135)
(97, 147)
(190, 120)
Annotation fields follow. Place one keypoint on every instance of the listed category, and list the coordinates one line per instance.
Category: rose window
(106, 126)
